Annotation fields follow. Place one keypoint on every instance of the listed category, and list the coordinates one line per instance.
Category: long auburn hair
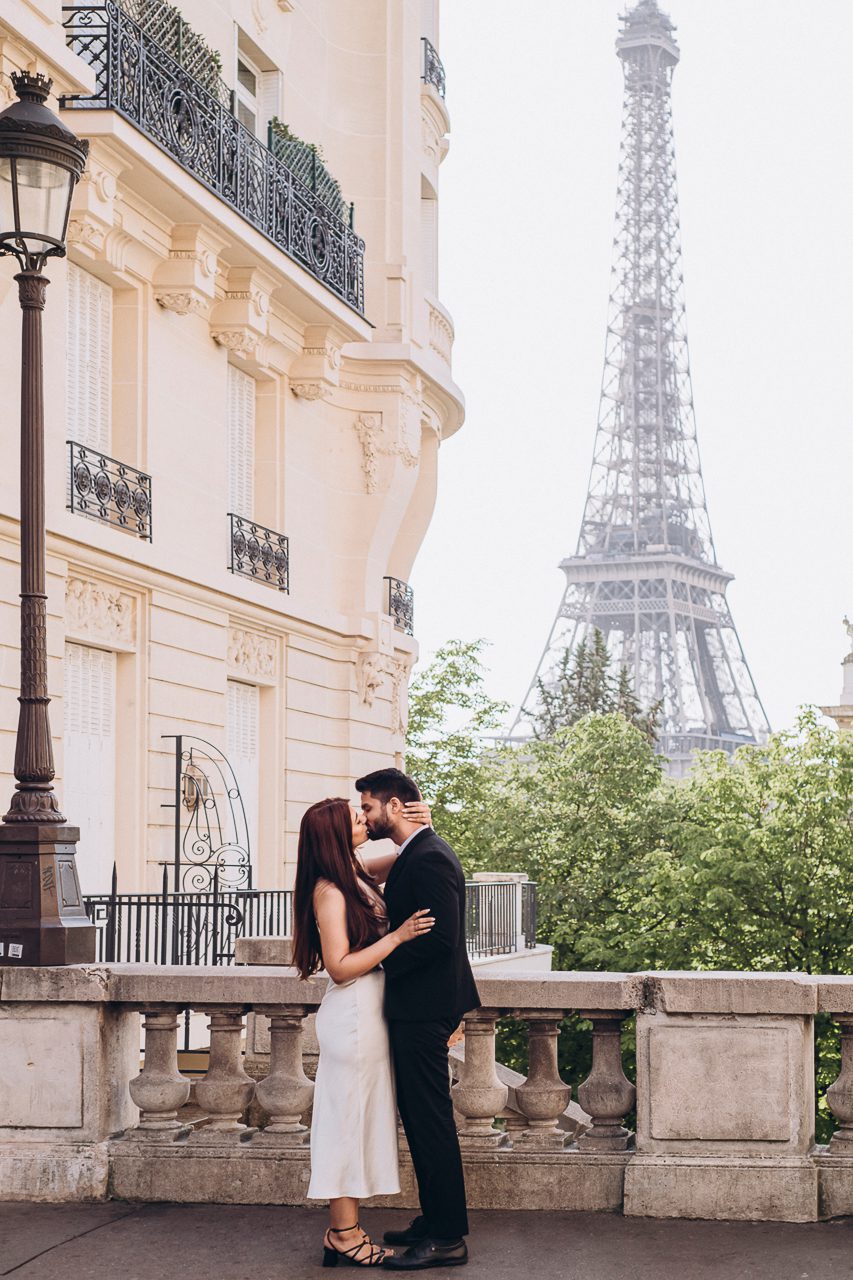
(326, 853)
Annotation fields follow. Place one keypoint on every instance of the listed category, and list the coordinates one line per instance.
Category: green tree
(583, 683)
(450, 719)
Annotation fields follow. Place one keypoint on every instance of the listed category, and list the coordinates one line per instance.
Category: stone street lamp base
(42, 917)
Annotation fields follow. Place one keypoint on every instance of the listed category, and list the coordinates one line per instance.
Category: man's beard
(381, 830)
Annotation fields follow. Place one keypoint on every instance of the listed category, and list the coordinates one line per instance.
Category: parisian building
(247, 382)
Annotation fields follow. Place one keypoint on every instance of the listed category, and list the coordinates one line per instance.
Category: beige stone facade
(183, 343)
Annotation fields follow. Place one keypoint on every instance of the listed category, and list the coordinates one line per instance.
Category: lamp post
(42, 919)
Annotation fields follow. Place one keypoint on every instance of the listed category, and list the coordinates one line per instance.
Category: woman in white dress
(340, 925)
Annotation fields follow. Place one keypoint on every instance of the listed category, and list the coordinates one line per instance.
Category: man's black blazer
(428, 979)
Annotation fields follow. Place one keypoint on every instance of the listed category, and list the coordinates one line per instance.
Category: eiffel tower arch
(645, 572)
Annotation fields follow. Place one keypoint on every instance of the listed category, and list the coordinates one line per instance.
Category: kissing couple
(389, 930)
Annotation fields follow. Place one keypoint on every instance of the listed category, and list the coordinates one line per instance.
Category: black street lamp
(42, 919)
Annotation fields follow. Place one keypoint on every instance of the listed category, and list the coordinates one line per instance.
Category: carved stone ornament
(368, 427)
(95, 611)
(86, 233)
(182, 302)
(399, 698)
(241, 341)
(310, 390)
(252, 653)
(373, 436)
(370, 670)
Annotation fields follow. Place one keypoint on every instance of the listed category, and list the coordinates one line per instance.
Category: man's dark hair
(385, 783)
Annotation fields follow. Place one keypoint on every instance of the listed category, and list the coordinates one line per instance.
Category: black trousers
(419, 1050)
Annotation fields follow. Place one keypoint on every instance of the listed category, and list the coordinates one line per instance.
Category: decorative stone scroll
(95, 611)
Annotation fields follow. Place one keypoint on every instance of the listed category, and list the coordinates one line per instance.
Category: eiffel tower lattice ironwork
(645, 572)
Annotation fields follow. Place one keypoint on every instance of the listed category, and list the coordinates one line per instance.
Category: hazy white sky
(763, 105)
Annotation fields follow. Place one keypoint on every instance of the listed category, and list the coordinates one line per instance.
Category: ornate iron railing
(259, 553)
(528, 914)
(400, 602)
(202, 928)
(108, 490)
(140, 80)
(433, 68)
(185, 928)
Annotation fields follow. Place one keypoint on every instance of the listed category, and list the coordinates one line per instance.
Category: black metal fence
(202, 928)
(259, 553)
(108, 490)
(498, 919)
(433, 68)
(400, 603)
(142, 81)
(185, 928)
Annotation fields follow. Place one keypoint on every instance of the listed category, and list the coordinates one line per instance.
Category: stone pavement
(119, 1241)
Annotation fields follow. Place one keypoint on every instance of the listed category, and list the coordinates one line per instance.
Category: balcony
(433, 68)
(259, 553)
(109, 491)
(140, 80)
(400, 604)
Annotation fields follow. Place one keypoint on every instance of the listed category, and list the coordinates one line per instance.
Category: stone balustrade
(724, 1099)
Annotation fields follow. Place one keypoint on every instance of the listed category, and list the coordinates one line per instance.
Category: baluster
(543, 1097)
(225, 1091)
(479, 1096)
(159, 1089)
(286, 1093)
(606, 1094)
(839, 1095)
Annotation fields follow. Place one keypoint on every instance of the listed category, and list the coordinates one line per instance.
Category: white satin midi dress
(354, 1126)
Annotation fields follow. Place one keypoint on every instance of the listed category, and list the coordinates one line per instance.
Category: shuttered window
(88, 359)
(242, 732)
(88, 792)
(429, 239)
(241, 443)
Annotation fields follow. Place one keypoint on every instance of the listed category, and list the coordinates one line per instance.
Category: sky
(762, 105)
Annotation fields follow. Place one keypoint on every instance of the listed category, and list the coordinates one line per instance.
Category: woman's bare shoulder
(325, 891)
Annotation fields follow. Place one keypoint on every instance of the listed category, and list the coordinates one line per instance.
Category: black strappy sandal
(331, 1255)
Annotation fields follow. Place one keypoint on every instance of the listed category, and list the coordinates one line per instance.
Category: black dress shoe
(426, 1253)
(415, 1231)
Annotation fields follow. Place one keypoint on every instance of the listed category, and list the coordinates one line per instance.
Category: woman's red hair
(326, 853)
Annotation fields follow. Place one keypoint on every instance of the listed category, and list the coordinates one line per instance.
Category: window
(241, 443)
(429, 242)
(242, 732)
(88, 359)
(247, 90)
(89, 743)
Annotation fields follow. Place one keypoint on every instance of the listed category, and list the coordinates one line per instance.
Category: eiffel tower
(645, 572)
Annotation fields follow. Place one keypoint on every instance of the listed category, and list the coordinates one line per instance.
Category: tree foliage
(747, 863)
(582, 684)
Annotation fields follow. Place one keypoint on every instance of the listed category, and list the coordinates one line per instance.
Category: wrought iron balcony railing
(108, 490)
(401, 605)
(433, 68)
(259, 553)
(140, 80)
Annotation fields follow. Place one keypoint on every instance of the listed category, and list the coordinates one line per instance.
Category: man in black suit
(428, 988)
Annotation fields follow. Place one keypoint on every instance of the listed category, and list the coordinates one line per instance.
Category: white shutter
(90, 761)
(242, 732)
(88, 359)
(429, 239)
(241, 443)
(269, 99)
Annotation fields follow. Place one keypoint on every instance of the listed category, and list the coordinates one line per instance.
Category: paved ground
(216, 1242)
